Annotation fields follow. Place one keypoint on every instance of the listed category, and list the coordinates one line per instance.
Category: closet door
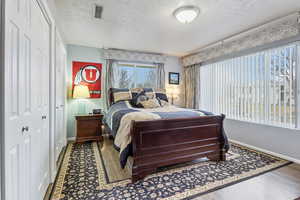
(26, 101)
(60, 131)
(40, 97)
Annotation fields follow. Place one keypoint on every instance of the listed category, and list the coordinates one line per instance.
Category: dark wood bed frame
(164, 142)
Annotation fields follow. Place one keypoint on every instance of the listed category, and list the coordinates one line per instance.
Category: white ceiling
(148, 25)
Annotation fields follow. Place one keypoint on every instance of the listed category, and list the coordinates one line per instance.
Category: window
(128, 75)
(260, 87)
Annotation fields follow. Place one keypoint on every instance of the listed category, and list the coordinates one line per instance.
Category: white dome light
(186, 14)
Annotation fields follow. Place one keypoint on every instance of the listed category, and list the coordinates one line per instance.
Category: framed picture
(174, 78)
(89, 74)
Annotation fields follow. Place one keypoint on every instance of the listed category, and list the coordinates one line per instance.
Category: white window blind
(260, 87)
(130, 75)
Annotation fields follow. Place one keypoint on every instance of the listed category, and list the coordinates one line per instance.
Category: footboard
(165, 142)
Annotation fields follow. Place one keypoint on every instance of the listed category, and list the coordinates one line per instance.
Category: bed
(163, 136)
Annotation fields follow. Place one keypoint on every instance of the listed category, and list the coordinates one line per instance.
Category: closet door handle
(44, 117)
(25, 128)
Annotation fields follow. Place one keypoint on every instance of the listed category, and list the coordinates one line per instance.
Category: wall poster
(88, 74)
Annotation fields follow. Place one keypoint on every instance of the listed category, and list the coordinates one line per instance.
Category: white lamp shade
(81, 92)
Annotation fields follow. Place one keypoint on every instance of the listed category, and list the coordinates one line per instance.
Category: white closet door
(26, 101)
(40, 95)
(60, 131)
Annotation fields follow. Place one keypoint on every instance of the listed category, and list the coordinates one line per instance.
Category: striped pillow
(121, 95)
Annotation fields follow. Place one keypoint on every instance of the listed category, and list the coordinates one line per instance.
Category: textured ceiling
(148, 25)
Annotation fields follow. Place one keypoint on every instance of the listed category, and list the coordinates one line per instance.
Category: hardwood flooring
(110, 158)
(280, 184)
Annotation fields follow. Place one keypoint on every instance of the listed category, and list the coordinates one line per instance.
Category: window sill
(261, 124)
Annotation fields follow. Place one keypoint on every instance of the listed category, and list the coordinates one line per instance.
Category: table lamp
(173, 93)
(81, 92)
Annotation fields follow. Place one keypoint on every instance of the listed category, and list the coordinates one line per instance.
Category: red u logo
(91, 74)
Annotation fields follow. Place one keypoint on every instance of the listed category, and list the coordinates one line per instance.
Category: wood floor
(280, 184)
(110, 158)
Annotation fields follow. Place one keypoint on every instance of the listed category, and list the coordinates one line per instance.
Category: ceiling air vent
(98, 12)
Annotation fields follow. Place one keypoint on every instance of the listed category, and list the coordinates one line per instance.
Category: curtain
(109, 80)
(161, 76)
(191, 86)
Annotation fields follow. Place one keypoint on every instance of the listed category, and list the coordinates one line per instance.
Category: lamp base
(81, 107)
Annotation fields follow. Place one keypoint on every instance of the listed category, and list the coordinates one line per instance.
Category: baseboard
(71, 139)
(267, 151)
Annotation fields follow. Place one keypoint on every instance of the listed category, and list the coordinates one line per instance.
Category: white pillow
(151, 103)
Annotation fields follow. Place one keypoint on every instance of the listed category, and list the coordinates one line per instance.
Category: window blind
(260, 87)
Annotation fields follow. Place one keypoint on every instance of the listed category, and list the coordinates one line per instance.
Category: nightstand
(89, 128)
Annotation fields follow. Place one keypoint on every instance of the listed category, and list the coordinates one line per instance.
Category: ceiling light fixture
(186, 14)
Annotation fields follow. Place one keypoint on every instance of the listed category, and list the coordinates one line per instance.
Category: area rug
(82, 176)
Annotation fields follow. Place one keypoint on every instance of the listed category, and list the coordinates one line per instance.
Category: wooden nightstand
(89, 128)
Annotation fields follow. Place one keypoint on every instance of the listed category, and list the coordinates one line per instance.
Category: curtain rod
(199, 50)
(135, 51)
(136, 61)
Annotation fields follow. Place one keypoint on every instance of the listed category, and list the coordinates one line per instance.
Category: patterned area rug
(83, 176)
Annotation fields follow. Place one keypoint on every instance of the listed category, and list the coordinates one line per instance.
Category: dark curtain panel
(161, 76)
(191, 85)
(109, 79)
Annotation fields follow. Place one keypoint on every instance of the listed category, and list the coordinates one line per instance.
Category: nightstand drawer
(91, 131)
(89, 128)
(88, 124)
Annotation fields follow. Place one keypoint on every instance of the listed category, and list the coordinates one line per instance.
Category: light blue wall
(74, 106)
(87, 54)
(278, 140)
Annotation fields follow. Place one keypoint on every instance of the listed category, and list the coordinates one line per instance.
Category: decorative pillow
(150, 103)
(163, 103)
(161, 94)
(135, 92)
(136, 101)
(149, 92)
(121, 95)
